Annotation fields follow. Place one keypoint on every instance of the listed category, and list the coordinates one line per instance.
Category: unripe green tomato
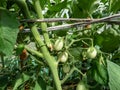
(19, 49)
(63, 57)
(66, 68)
(81, 86)
(59, 44)
(91, 52)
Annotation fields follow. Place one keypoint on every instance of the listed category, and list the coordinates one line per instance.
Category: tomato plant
(59, 45)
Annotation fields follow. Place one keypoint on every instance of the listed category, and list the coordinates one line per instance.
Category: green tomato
(91, 52)
(19, 49)
(66, 68)
(59, 44)
(81, 86)
(63, 57)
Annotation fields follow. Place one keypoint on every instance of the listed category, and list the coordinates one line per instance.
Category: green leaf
(37, 86)
(76, 52)
(43, 2)
(114, 5)
(108, 40)
(8, 31)
(84, 4)
(99, 72)
(4, 79)
(58, 7)
(76, 11)
(82, 8)
(21, 81)
(114, 75)
(41, 83)
(2, 3)
(102, 73)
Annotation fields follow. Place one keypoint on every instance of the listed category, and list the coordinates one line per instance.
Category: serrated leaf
(20, 81)
(8, 31)
(114, 75)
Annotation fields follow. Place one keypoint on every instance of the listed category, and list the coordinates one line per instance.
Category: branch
(70, 19)
(80, 22)
(55, 20)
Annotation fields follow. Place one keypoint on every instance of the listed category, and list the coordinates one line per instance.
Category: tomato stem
(34, 52)
(2, 60)
(79, 71)
(50, 60)
(67, 75)
(73, 41)
(43, 24)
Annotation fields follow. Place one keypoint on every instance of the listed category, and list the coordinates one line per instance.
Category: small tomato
(59, 44)
(66, 68)
(19, 49)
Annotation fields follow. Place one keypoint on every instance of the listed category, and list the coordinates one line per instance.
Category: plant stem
(50, 60)
(73, 41)
(68, 75)
(2, 60)
(34, 52)
(79, 71)
(43, 24)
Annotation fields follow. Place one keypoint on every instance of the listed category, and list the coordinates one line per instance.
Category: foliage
(8, 31)
(36, 58)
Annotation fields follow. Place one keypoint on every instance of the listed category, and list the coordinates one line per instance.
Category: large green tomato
(91, 52)
(81, 86)
(63, 57)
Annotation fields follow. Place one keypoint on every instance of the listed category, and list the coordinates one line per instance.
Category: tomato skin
(81, 86)
(91, 52)
(63, 57)
(59, 44)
